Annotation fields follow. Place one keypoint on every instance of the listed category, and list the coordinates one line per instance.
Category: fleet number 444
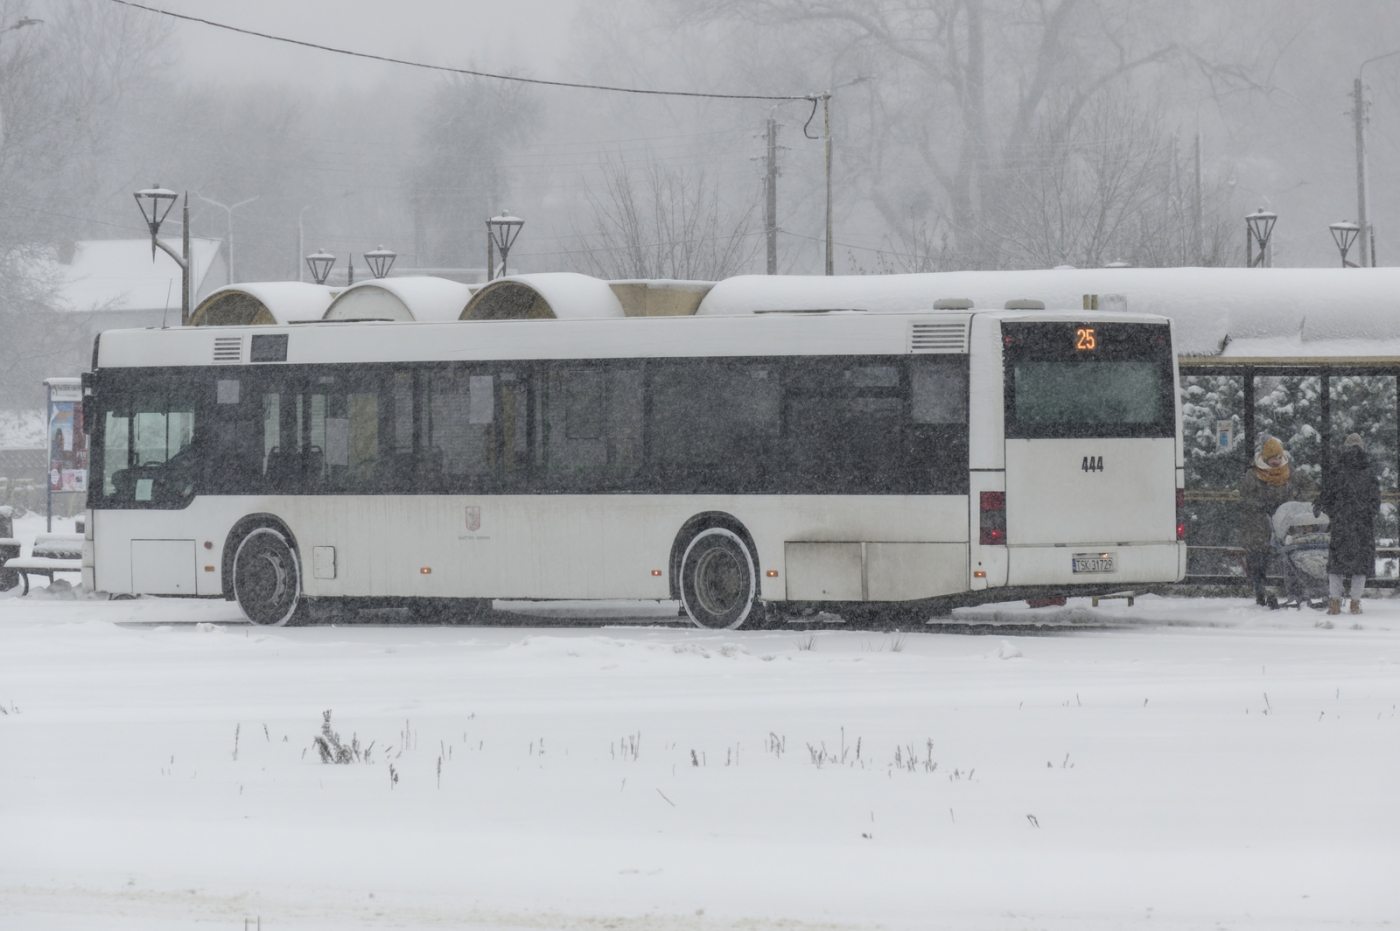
(1092, 464)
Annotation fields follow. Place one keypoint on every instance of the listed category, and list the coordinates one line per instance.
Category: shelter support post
(1249, 436)
(1326, 431)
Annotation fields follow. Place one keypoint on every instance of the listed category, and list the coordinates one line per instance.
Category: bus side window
(714, 423)
(592, 427)
(939, 392)
(461, 420)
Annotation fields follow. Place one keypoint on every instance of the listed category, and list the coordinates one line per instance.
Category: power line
(465, 71)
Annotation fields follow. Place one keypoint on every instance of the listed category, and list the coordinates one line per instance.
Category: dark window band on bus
(867, 425)
(1091, 379)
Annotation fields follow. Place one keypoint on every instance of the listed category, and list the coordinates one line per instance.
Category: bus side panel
(548, 546)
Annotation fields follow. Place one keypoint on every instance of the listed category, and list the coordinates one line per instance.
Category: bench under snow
(52, 552)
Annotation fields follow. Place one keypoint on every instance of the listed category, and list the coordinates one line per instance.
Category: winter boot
(1355, 606)
(1259, 599)
(1334, 606)
(1272, 601)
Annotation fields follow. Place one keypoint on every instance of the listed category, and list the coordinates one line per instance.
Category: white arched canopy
(423, 298)
(562, 295)
(261, 303)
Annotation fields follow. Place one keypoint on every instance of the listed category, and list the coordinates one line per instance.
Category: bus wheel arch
(263, 548)
(714, 571)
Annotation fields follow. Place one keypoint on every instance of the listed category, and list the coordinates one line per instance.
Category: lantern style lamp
(1344, 234)
(320, 264)
(155, 204)
(380, 261)
(503, 230)
(1259, 227)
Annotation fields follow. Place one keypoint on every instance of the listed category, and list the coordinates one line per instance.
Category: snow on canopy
(262, 302)
(563, 295)
(407, 298)
(1234, 312)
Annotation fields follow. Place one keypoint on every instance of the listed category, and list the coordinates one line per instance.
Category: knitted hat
(1272, 448)
(1353, 439)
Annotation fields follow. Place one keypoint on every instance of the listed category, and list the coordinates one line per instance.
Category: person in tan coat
(1269, 482)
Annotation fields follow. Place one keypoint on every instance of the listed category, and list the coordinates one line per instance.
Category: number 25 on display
(1085, 338)
(1092, 464)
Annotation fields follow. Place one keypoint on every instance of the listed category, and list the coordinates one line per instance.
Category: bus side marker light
(772, 573)
(426, 570)
(208, 568)
(979, 574)
(656, 572)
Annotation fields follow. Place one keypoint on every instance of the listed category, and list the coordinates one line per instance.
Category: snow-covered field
(1182, 763)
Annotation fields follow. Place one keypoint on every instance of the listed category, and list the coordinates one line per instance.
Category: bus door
(1090, 415)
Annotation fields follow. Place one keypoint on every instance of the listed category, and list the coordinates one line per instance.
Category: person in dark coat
(1270, 481)
(1351, 501)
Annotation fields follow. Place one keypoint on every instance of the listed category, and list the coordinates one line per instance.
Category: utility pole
(1358, 112)
(770, 206)
(826, 117)
(1198, 214)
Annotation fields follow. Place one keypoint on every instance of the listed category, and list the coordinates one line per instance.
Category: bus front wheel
(267, 578)
(718, 580)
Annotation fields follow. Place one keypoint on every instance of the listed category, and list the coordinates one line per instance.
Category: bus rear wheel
(267, 578)
(718, 580)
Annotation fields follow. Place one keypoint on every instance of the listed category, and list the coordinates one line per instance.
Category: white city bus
(749, 467)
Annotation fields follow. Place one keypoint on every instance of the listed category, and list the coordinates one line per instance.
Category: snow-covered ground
(1182, 763)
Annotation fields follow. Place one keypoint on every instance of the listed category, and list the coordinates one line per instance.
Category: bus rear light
(1180, 517)
(992, 522)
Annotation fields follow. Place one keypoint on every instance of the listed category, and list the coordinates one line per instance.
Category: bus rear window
(1088, 380)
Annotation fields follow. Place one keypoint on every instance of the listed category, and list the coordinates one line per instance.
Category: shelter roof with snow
(263, 302)
(118, 277)
(423, 298)
(1230, 314)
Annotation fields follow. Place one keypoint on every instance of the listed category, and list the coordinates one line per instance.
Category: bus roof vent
(228, 349)
(1024, 304)
(938, 337)
(952, 303)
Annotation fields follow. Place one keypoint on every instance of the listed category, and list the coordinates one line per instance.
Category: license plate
(1095, 562)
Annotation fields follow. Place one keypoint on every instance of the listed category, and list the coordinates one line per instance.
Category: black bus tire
(267, 578)
(719, 580)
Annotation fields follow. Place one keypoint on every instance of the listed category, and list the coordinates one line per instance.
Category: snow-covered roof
(262, 302)
(119, 275)
(565, 295)
(1258, 312)
(422, 298)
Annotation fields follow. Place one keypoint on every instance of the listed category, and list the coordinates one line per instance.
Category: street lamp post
(228, 210)
(155, 204)
(1367, 253)
(320, 264)
(17, 24)
(501, 232)
(1344, 234)
(1259, 226)
(380, 261)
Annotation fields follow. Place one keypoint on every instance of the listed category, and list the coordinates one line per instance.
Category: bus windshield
(1088, 380)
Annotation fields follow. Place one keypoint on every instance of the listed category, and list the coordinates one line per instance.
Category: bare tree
(62, 85)
(469, 128)
(659, 222)
(970, 90)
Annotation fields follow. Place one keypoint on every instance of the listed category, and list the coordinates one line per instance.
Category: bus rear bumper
(1132, 564)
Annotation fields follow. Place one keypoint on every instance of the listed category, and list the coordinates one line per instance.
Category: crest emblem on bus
(474, 518)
